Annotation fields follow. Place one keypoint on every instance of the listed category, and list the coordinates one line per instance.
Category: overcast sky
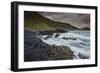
(75, 19)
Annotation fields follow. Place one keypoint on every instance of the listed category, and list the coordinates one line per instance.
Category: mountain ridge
(33, 20)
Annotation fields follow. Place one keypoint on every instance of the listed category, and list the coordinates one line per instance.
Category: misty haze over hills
(75, 19)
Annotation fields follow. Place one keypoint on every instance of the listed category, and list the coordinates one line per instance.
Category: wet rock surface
(49, 36)
(57, 35)
(69, 38)
(60, 53)
(36, 50)
(82, 56)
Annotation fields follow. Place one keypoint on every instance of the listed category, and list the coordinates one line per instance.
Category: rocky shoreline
(48, 32)
(60, 53)
(36, 50)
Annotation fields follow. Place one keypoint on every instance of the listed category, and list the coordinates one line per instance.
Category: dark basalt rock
(49, 32)
(49, 36)
(60, 53)
(82, 56)
(36, 50)
(65, 38)
(45, 32)
(57, 35)
(83, 43)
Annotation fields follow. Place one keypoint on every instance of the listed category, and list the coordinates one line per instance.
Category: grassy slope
(33, 20)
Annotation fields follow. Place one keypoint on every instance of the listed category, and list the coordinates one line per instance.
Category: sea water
(77, 41)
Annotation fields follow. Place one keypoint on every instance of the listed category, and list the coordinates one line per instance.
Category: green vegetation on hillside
(33, 20)
(85, 28)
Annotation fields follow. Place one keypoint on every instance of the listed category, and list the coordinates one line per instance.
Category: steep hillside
(33, 20)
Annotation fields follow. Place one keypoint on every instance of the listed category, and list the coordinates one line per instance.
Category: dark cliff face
(34, 48)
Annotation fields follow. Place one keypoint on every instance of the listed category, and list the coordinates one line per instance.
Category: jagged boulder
(34, 48)
(60, 53)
